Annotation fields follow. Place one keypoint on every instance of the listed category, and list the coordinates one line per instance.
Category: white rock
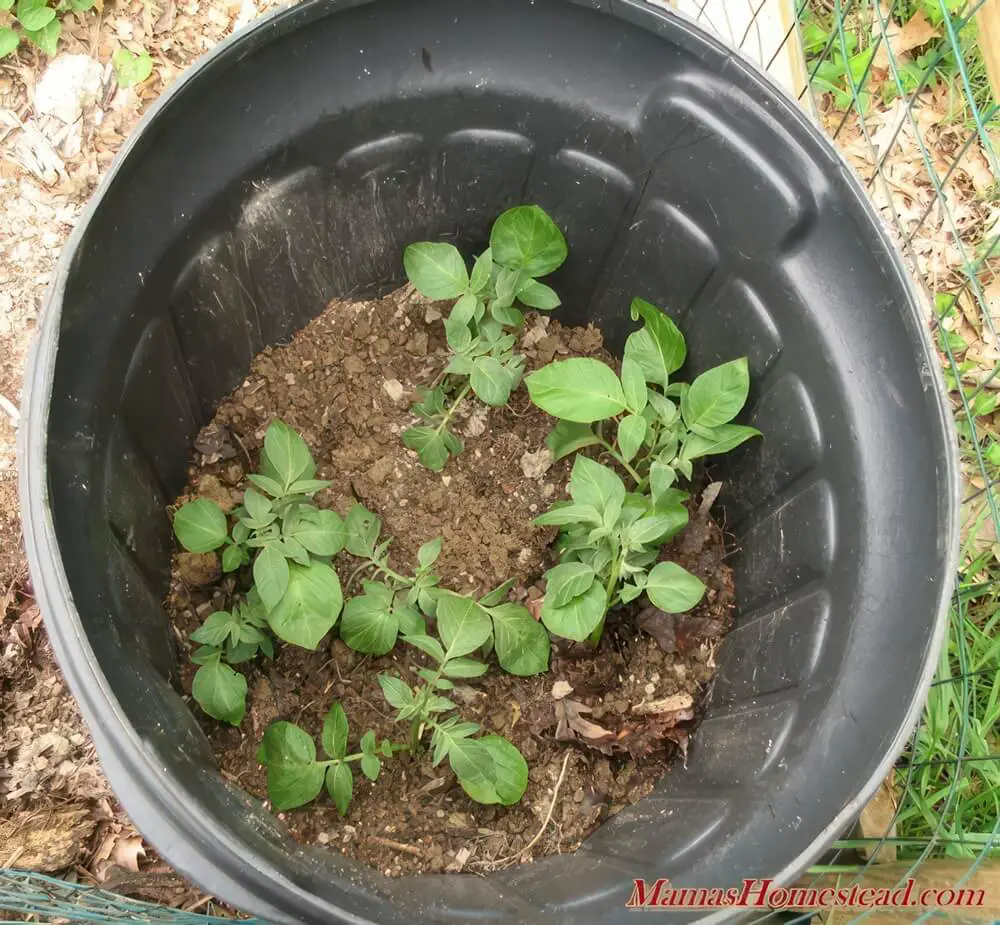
(69, 83)
(394, 389)
(535, 465)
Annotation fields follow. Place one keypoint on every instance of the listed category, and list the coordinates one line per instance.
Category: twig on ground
(396, 845)
(11, 409)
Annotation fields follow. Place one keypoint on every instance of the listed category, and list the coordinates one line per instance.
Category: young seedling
(490, 769)
(295, 776)
(228, 638)
(289, 539)
(610, 536)
(524, 244)
(398, 604)
(373, 620)
(653, 439)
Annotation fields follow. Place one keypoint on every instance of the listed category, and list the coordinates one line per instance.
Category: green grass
(948, 781)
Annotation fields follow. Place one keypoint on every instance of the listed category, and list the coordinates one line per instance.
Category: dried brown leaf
(571, 726)
(899, 40)
(127, 851)
(678, 632)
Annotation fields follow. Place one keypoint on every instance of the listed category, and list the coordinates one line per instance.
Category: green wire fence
(903, 87)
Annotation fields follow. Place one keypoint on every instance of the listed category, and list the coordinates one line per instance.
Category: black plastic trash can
(292, 166)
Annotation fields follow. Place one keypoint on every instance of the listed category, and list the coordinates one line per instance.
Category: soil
(597, 731)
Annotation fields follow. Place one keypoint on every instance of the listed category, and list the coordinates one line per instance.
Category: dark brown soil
(597, 731)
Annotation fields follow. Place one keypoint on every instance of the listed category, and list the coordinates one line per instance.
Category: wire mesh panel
(908, 91)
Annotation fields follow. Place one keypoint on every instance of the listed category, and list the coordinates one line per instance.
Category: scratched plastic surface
(292, 168)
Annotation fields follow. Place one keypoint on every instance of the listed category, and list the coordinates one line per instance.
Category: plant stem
(609, 590)
(383, 567)
(358, 571)
(347, 759)
(450, 413)
(618, 458)
(422, 719)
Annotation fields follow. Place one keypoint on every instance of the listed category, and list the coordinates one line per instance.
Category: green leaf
(270, 576)
(267, 485)
(340, 786)
(436, 269)
(310, 607)
(525, 238)
(321, 532)
(6, 4)
(490, 769)
(288, 454)
(595, 485)
(408, 617)
(521, 642)
(131, 69)
(634, 385)
(232, 558)
(46, 38)
(580, 617)
(361, 530)
(465, 668)
(566, 514)
(568, 437)
(430, 445)
(506, 315)
(631, 433)
(308, 486)
(463, 624)
(220, 692)
(629, 593)
(428, 554)
(9, 41)
(205, 654)
(567, 581)
(386, 748)
(498, 595)
(368, 624)
(426, 644)
(396, 691)
(717, 395)
(200, 526)
(491, 381)
(673, 589)
(293, 776)
(216, 628)
(581, 389)
(717, 440)
(658, 527)
(537, 295)
(456, 325)
(506, 282)
(34, 14)
(370, 766)
(661, 477)
(658, 347)
(482, 272)
(258, 507)
(286, 743)
(335, 732)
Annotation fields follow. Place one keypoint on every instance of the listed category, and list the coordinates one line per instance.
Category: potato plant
(654, 429)
(525, 244)
(489, 768)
